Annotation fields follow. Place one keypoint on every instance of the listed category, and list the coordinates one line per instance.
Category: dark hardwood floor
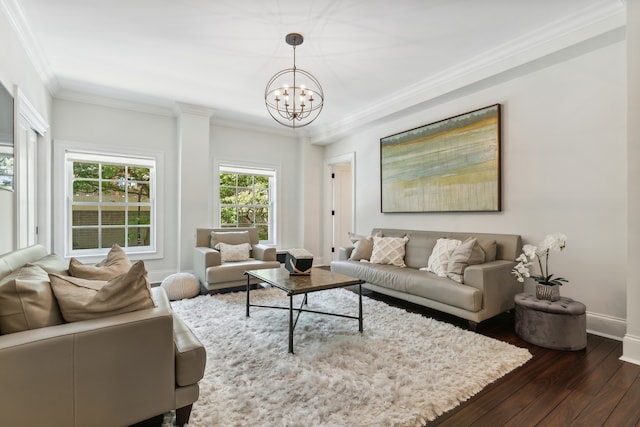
(591, 387)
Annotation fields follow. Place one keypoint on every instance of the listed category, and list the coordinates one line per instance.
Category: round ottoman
(180, 286)
(559, 325)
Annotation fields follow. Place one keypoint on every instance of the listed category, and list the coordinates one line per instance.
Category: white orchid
(551, 242)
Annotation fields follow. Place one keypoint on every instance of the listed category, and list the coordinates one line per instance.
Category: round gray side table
(558, 325)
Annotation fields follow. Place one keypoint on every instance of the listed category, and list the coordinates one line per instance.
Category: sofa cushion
(230, 253)
(115, 264)
(439, 258)
(468, 253)
(389, 250)
(82, 299)
(53, 264)
(26, 301)
(230, 237)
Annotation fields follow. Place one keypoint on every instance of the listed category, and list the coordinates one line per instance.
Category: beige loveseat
(108, 371)
(488, 288)
(215, 273)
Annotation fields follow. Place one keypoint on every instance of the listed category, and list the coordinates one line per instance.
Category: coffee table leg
(360, 306)
(290, 323)
(248, 288)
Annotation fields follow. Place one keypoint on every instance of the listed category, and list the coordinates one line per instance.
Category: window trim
(64, 153)
(271, 170)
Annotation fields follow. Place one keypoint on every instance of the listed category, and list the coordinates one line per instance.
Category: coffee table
(319, 280)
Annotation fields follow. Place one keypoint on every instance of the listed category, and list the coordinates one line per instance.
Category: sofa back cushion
(203, 235)
(12, 261)
(26, 301)
(421, 243)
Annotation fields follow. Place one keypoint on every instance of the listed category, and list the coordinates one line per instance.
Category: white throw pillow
(230, 253)
(439, 258)
(389, 250)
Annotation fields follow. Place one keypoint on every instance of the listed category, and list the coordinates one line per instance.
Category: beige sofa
(216, 274)
(488, 289)
(110, 371)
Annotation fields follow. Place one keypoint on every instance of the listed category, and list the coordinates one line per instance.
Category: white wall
(563, 168)
(16, 69)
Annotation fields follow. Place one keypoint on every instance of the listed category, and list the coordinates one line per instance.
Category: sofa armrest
(79, 372)
(204, 258)
(496, 282)
(190, 354)
(344, 252)
(264, 252)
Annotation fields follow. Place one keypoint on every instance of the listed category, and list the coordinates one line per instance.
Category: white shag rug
(403, 370)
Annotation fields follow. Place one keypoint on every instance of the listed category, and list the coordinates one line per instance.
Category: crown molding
(588, 23)
(16, 17)
(165, 109)
(181, 108)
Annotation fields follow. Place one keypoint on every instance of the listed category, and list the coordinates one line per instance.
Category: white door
(341, 206)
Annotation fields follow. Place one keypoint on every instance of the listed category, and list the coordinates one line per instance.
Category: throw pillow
(83, 299)
(362, 246)
(230, 253)
(115, 264)
(490, 249)
(439, 258)
(468, 253)
(389, 250)
(229, 237)
(26, 301)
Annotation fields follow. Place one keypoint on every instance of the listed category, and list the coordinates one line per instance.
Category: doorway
(340, 219)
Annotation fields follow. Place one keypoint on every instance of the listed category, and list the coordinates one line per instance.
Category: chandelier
(293, 96)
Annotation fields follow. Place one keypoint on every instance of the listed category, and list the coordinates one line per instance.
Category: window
(111, 199)
(246, 199)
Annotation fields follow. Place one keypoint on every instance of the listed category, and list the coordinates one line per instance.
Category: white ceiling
(372, 57)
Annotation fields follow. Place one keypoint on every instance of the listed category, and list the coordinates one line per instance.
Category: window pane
(228, 216)
(84, 215)
(263, 232)
(139, 174)
(139, 215)
(228, 179)
(245, 216)
(262, 215)
(245, 180)
(227, 194)
(85, 191)
(112, 192)
(84, 238)
(138, 236)
(262, 196)
(113, 235)
(138, 193)
(113, 215)
(85, 170)
(113, 171)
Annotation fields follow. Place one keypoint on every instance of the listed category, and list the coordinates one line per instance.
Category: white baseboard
(631, 349)
(606, 326)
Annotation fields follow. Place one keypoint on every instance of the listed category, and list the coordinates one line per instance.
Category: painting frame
(451, 165)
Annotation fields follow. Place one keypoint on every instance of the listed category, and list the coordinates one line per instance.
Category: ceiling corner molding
(14, 13)
(104, 101)
(588, 23)
(181, 108)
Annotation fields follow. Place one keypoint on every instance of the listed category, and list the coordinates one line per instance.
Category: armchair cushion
(229, 237)
(26, 301)
(83, 299)
(113, 265)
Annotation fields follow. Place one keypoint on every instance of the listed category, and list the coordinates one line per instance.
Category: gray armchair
(215, 273)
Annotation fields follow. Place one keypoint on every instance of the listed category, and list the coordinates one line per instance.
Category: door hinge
(333, 250)
(333, 175)
(333, 213)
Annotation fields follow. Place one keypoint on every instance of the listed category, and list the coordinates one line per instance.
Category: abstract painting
(452, 165)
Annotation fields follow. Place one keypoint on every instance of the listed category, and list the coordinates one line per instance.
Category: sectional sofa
(487, 289)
